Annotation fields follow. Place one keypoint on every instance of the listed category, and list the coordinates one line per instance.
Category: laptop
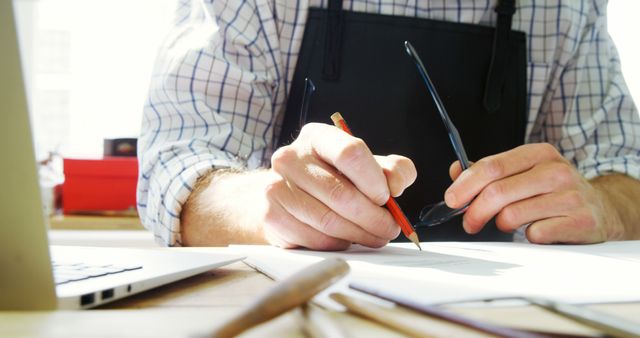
(85, 276)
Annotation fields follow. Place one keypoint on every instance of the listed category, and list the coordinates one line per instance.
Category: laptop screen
(26, 281)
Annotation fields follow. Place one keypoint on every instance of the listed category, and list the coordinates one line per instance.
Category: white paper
(457, 271)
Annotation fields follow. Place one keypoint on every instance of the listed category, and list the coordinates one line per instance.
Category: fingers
(489, 169)
(350, 156)
(336, 192)
(399, 171)
(308, 210)
(455, 169)
(578, 227)
(284, 230)
(337, 187)
(542, 207)
(532, 184)
(500, 196)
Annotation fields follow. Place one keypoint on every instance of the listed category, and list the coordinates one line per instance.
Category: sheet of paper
(625, 250)
(455, 271)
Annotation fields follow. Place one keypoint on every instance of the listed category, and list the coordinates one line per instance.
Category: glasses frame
(444, 213)
(309, 89)
(454, 136)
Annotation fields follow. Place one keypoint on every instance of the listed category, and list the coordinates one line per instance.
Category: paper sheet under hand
(456, 271)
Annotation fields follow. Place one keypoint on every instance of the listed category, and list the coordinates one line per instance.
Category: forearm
(620, 195)
(218, 211)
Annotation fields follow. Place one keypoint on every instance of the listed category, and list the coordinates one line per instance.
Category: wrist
(216, 213)
(610, 207)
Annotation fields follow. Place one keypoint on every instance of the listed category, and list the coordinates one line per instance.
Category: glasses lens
(434, 214)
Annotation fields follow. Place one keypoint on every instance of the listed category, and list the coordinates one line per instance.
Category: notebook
(85, 276)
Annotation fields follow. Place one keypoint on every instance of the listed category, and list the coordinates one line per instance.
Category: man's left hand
(533, 184)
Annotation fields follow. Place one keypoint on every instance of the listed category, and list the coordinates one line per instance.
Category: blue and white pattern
(218, 94)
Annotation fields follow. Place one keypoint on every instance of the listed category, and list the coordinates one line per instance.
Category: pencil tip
(414, 238)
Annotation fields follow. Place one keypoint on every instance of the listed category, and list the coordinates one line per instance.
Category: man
(217, 99)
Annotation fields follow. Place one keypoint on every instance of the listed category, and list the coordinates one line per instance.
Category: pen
(436, 324)
(392, 205)
(287, 295)
(435, 312)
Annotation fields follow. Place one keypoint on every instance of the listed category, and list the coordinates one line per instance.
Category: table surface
(91, 222)
(193, 306)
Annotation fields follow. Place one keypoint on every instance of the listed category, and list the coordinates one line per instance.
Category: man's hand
(535, 184)
(324, 191)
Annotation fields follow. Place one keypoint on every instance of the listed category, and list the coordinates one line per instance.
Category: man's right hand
(324, 191)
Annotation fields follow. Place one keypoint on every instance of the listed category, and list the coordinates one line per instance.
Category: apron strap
(495, 78)
(333, 41)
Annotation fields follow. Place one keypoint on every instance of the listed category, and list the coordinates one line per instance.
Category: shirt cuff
(595, 167)
(163, 191)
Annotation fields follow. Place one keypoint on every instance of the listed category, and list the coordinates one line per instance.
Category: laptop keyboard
(72, 272)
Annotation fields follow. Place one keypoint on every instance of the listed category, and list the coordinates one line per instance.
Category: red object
(400, 217)
(107, 184)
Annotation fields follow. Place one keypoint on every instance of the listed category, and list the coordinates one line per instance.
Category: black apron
(359, 66)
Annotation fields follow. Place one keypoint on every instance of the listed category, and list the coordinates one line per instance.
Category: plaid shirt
(222, 78)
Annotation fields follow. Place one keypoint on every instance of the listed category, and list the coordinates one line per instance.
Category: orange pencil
(392, 205)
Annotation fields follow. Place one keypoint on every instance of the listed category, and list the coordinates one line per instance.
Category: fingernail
(450, 198)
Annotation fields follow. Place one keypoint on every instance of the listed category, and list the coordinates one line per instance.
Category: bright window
(87, 68)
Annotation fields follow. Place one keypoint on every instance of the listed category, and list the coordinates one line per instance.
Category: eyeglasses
(309, 88)
(438, 213)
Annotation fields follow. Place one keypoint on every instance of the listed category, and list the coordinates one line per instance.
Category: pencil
(318, 323)
(392, 205)
(286, 295)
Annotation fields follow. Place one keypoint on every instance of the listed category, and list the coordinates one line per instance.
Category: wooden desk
(190, 307)
(89, 222)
